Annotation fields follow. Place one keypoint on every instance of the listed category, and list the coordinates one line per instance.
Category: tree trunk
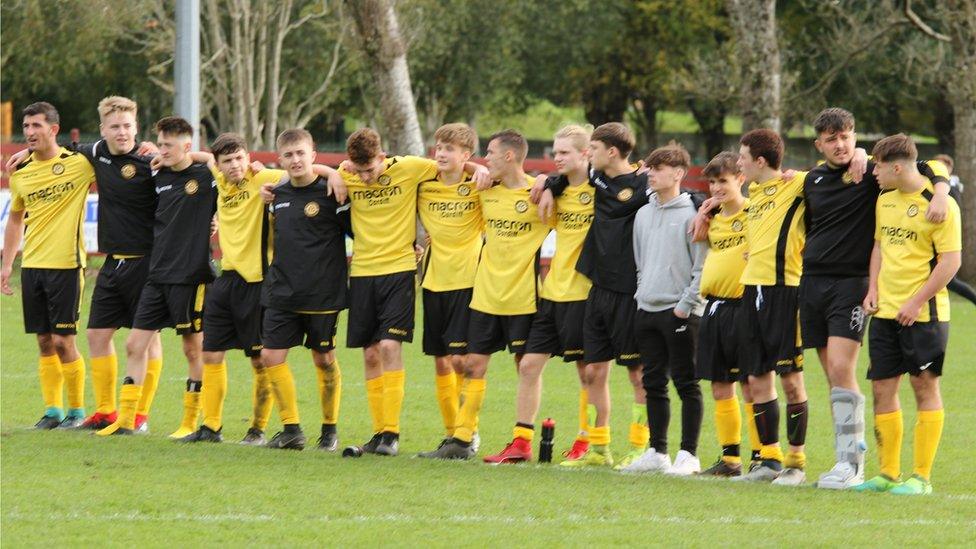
(711, 124)
(944, 123)
(386, 53)
(961, 23)
(754, 22)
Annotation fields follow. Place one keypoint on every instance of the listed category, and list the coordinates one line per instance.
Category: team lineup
(672, 285)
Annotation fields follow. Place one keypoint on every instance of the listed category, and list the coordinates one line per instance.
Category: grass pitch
(70, 489)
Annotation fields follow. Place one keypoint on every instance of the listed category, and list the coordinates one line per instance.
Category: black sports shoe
(289, 439)
(722, 468)
(204, 434)
(450, 448)
(254, 437)
(389, 445)
(47, 423)
(329, 441)
(373, 443)
(71, 422)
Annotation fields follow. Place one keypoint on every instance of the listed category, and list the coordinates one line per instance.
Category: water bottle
(545, 444)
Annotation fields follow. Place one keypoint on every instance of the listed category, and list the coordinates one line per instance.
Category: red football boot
(577, 451)
(517, 451)
(98, 421)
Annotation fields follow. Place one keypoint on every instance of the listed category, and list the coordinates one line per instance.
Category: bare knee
(45, 344)
(926, 388)
(723, 391)
(64, 346)
(371, 356)
(530, 367)
(793, 387)
(885, 392)
(389, 350)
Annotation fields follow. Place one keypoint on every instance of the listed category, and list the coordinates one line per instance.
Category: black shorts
(287, 329)
(233, 319)
(117, 290)
(719, 353)
(177, 306)
(831, 307)
(52, 300)
(608, 328)
(557, 329)
(446, 318)
(488, 333)
(381, 307)
(895, 349)
(769, 331)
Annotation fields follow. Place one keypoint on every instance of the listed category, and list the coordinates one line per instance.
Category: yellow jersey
(775, 232)
(727, 245)
(52, 193)
(507, 278)
(384, 216)
(244, 230)
(451, 214)
(574, 215)
(910, 247)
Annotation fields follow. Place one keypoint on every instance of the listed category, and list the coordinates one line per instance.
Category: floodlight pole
(187, 65)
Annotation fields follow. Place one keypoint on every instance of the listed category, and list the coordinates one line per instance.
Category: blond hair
(458, 134)
(578, 135)
(116, 104)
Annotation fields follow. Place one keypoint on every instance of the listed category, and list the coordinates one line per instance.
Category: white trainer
(791, 476)
(843, 476)
(649, 462)
(685, 463)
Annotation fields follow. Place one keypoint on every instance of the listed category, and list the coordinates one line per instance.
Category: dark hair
(725, 162)
(615, 134)
(363, 146)
(227, 143)
(174, 125)
(513, 141)
(833, 120)
(672, 154)
(764, 143)
(895, 147)
(42, 107)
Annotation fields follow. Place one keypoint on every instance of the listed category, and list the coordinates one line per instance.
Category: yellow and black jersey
(126, 199)
(507, 279)
(775, 232)
(181, 244)
(451, 214)
(574, 215)
(910, 247)
(384, 216)
(727, 245)
(244, 229)
(52, 194)
(309, 271)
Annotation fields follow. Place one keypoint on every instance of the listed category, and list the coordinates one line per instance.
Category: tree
(379, 39)
(754, 23)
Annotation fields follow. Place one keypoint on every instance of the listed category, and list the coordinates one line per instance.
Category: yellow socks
(52, 382)
(393, 383)
(600, 436)
(128, 398)
(526, 433)
(263, 399)
(283, 385)
(448, 400)
(928, 431)
(771, 451)
(728, 427)
(154, 368)
(374, 397)
(213, 393)
(74, 381)
(330, 391)
(474, 395)
(584, 416)
(104, 371)
(191, 410)
(796, 460)
(640, 433)
(889, 431)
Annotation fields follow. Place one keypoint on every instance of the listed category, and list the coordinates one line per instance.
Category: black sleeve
(345, 219)
(86, 149)
(557, 184)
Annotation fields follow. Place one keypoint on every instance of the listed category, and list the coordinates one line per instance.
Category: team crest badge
(912, 210)
(770, 191)
(191, 187)
(737, 225)
(128, 171)
(311, 209)
(57, 168)
(383, 179)
(463, 190)
(521, 206)
(625, 194)
(847, 177)
(585, 198)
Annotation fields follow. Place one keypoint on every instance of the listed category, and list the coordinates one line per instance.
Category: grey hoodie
(669, 264)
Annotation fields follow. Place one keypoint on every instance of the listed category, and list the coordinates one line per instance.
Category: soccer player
(450, 212)
(180, 266)
(839, 238)
(669, 267)
(305, 288)
(505, 290)
(47, 200)
(912, 261)
(718, 357)
(383, 194)
(557, 328)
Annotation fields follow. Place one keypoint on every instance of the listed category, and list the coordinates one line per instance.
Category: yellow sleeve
(947, 236)
(938, 168)
(269, 175)
(418, 168)
(877, 219)
(217, 175)
(16, 199)
(798, 182)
